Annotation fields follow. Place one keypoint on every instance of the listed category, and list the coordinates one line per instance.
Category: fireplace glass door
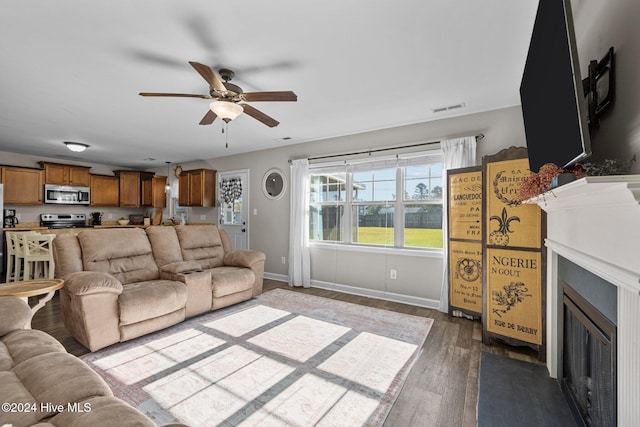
(589, 363)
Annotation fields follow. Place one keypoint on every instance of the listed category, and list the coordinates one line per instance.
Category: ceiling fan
(227, 97)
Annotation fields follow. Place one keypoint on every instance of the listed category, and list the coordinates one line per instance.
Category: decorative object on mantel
(549, 176)
(552, 176)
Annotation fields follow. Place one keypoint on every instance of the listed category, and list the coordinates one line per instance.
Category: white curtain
(456, 153)
(299, 259)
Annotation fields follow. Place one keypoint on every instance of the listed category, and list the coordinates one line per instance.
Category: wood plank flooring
(442, 387)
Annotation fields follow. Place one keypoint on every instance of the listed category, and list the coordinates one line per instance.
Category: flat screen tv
(553, 105)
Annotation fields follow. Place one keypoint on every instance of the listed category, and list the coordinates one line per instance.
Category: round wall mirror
(274, 183)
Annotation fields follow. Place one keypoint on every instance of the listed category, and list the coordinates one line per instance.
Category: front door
(234, 206)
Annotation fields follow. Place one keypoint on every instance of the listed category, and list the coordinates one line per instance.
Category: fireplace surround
(594, 223)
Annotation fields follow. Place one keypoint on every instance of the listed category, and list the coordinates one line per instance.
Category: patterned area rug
(281, 359)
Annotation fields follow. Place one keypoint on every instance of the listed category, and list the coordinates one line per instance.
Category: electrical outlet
(255, 211)
(393, 274)
(203, 217)
(284, 260)
(109, 216)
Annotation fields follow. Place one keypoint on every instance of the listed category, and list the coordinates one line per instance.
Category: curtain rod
(378, 150)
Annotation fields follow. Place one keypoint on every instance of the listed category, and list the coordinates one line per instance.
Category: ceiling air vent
(448, 108)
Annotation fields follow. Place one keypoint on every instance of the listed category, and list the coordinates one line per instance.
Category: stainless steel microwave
(66, 194)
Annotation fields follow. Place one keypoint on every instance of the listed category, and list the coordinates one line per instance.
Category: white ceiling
(71, 70)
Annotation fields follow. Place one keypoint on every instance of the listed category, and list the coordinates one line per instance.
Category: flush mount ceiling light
(78, 147)
(226, 110)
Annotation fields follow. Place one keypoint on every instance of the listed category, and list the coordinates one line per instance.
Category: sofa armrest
(91, 282)
(244, 258)
(16, 314)
(180, 267)
(248, 259)
(89, 302)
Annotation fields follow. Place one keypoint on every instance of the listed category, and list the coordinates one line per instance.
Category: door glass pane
(231, 194)
(232, 212)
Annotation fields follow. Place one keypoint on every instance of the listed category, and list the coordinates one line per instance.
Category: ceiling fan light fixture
(226, 110)
(77, 147)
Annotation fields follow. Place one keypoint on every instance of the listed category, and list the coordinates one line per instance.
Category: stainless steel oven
(66, 194)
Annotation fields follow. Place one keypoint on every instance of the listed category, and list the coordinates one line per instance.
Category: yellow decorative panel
(465, 275)
(508, 223)
(514, 294)
(465, 205)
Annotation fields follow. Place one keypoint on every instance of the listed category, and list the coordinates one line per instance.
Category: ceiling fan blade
(208, 74)
(286, 95)
(260, 116)
(208, 118)
(179, 95)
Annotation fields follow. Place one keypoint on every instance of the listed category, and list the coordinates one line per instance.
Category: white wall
(600, 25)
(419, 277)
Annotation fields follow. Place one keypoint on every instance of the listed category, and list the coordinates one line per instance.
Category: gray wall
(600, 25)
(419, 277)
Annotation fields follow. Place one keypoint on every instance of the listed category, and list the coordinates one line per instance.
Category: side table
(45, 288)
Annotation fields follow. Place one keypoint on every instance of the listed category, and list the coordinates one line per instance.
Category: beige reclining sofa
(122, 283)
(42, 385)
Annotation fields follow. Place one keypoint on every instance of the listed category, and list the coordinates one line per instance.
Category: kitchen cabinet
(197, 187)
(130, 188)
(153, 191)
(105, 190)
(55, 173)
(22, 186)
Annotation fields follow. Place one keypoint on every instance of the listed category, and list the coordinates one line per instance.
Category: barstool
(15, 254)
(38, 256)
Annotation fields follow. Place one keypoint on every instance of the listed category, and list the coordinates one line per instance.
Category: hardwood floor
(442, 388)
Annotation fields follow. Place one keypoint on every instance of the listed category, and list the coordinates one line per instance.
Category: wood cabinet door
(159, 197)
(56, 174)
(105, 190)
(23, 186)
(79, 176)
(184, 189)
(129, 189)
(196, 188)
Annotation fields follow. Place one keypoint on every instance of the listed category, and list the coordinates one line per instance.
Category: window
(391, 203)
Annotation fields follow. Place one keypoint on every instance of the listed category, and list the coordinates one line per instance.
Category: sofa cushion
(67, 255)
(230, 280)
(146, 300)
(165, 244)
(13, 391)
(59, 378)
(124, 253)
(23, 344)
(201, 243)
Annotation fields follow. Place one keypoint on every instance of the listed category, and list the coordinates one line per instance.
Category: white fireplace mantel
(594, 222)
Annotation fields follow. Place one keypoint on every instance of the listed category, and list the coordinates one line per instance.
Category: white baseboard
(278, 277)
(371, 293)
